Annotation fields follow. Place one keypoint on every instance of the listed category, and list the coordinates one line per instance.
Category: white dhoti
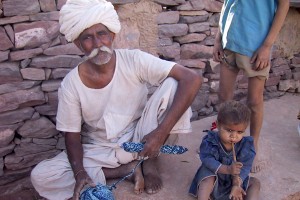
(54, 178)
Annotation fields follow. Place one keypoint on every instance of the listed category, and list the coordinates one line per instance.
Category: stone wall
(34, 58)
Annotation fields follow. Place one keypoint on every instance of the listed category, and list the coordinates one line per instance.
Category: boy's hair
(233, 112)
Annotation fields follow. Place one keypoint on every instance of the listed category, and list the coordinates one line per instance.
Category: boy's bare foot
(137, 179)
(257, 165)
(261, 160)
(153, 182)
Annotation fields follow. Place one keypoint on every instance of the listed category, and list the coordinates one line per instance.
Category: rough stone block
(169, 17)
(170, 52)
(5, 42)
(198, 27)
(189, 38)
(40, 128)
(20, 7)
(9, 72)
(62, 61)
(33, 74)
(10, 161)
(192, 51)
(6, 136)
(4, 55)
(171, 30)
(15, 116)
(68, 49)
(48, 5)
(13, 20)
(25, 54)
(7, 149)
(30, 35)
(30, 148)
(21, 98)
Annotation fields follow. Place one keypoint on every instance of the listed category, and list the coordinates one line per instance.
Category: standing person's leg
(255, 99)
(228, 74)
(256, 105)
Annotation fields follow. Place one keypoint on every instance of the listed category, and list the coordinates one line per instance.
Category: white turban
(78, 15)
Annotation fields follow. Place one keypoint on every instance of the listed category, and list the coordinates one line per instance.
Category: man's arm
(261, 57)
(75, 156)
(188, 85)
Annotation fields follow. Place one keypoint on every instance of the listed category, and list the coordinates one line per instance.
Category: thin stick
(233, 152)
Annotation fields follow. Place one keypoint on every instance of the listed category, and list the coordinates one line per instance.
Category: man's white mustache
(96, 51)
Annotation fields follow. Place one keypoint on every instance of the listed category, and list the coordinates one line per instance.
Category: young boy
(248, 29)
(220, 176)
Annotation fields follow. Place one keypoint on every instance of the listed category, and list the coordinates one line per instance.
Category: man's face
(96, 43)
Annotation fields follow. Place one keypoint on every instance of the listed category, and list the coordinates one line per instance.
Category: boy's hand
(261, 58)
(237, 193)
(218, 52)
(235, 168)
(82, 179)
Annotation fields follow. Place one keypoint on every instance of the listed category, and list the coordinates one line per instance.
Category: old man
(103, 103)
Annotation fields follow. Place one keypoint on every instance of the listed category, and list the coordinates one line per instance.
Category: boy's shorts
(238, 61)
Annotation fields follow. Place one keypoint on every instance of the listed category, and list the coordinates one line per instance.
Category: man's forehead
(96, 27)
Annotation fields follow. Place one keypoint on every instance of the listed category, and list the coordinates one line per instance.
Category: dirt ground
(280, 147)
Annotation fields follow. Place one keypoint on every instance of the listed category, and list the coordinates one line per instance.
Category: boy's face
(231, 133)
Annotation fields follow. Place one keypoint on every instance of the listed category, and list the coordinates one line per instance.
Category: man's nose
(97, 42)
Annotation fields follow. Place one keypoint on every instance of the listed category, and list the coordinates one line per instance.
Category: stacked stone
(34, 58)
(186, 34)
(186, 31)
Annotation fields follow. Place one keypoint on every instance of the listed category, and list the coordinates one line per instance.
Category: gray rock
(12, 87)
(10, 161)
(21, 98)
(40, 128)
(7, 149)
(9, 72)
(20, 7)
(30, 35)
(30, 148)
(5, 42)
(33, 74)
(6, 136)
(61, 61)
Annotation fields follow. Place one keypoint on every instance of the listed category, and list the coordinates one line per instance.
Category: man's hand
(261, 58)
(235, 168)
(82, 179)
(153, 141)
(237, 193)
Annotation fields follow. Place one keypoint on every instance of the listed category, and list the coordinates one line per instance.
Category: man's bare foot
(260, 161)
(153, 182)
(137, 179)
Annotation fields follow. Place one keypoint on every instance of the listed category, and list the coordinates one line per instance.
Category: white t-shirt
(110, 112)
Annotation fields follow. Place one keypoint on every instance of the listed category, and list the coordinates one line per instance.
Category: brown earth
(280, 147)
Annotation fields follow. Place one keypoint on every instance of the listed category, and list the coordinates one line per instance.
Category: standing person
(222, 174)
(103, 103)
(247, 31)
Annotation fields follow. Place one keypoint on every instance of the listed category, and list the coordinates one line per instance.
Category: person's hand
(218, 51)
(82, 179)
(261, 58)
(152, 143)
(235, 168)
(237, 193)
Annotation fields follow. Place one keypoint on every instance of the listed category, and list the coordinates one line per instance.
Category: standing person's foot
(153, 182)
(257, 165)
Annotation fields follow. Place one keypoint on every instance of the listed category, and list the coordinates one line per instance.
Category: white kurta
(108, 117)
